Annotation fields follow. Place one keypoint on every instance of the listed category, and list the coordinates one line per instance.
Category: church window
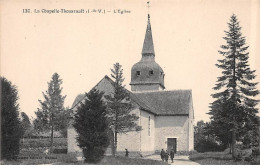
(138, 73)
(151, 72)
(149, 126)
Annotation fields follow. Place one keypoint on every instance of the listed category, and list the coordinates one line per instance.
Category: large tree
(51, 108)
(11, 130)
(234, 109)
(92, 128)
(119, 107)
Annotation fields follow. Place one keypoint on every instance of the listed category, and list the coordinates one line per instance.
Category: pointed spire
(148, 48)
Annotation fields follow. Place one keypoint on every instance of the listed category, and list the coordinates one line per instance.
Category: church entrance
(171, 144)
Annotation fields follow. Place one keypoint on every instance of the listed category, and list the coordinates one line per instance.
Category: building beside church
(166, 117)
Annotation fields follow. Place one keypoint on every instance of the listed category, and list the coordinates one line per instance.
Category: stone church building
(166, 117)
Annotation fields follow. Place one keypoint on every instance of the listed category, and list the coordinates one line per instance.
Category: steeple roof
(148, 48)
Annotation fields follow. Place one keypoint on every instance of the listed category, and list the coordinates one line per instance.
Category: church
(166, 116)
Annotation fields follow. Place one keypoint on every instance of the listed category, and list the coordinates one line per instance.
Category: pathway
(178, 160)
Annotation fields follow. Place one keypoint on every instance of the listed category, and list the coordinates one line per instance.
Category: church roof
(148, 47)
(176, 102)
(78, 99)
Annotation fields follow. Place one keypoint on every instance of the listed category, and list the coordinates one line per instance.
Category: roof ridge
(163, 91)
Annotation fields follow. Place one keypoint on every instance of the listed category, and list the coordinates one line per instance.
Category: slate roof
(176, 102)
(78, 99)
(147, 63)
(148, 47)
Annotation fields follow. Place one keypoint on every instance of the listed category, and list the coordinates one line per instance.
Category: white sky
(82, 48)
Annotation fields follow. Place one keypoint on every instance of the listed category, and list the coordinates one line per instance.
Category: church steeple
(148, 48)
(147, 75)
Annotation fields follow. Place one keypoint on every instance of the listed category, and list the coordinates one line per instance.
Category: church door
(171, 144)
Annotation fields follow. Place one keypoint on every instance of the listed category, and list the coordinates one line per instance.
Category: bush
(58, 151)
(11, 129)
(208, 146)
(68, 158)
(92, 128)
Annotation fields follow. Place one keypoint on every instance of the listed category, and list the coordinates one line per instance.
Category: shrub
(68, 158)
(91, 126)
(11, 129)
(208, 146)
(58, 151)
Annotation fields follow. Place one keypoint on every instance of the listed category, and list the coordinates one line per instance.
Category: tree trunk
(52, 125)
(230, 148)
(115, 147)
(112, 143)
(233, 143)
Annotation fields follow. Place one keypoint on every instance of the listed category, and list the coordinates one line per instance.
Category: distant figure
(172, 155)
(166, 156)
(126, 153)
(162, 154)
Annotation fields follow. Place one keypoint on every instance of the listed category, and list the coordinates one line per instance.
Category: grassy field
(217, 158)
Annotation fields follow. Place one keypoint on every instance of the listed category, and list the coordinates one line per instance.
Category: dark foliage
(11, 129)
(92, 128)
(204, 141)
(233, 113)
(119, 108)
(52, 115)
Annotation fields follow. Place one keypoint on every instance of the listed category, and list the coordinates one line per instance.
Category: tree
(221, 122)
(119, 107)
(92, 128)
(235, 103)
(64, 121)
(204, 138)
(11, 130)
(25, 122)
(48, 115)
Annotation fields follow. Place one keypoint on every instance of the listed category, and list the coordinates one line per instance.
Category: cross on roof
(148, 5)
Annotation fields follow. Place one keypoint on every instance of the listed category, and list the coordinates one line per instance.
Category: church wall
(130, 140)
(147, 141)
(172, 127)
(191, 126)
(72, 142)
(147, 87)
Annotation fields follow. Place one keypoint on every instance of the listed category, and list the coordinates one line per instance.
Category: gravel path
(178, 160)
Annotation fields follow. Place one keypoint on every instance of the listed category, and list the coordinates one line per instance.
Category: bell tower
(147, 75)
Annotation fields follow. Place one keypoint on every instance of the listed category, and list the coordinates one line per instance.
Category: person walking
(162, 154)
(126, 153)
(172, 155)
(166, 156)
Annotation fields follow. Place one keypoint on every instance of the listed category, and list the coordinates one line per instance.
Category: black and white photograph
(130, 82)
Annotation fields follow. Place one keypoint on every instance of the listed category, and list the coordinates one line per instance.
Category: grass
(70, 159)
(120, 160)
(216, 158)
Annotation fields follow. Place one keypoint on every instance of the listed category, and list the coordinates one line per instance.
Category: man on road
(162, 154)
(172, 155)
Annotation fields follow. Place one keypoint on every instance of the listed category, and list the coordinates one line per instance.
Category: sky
(82, 47)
